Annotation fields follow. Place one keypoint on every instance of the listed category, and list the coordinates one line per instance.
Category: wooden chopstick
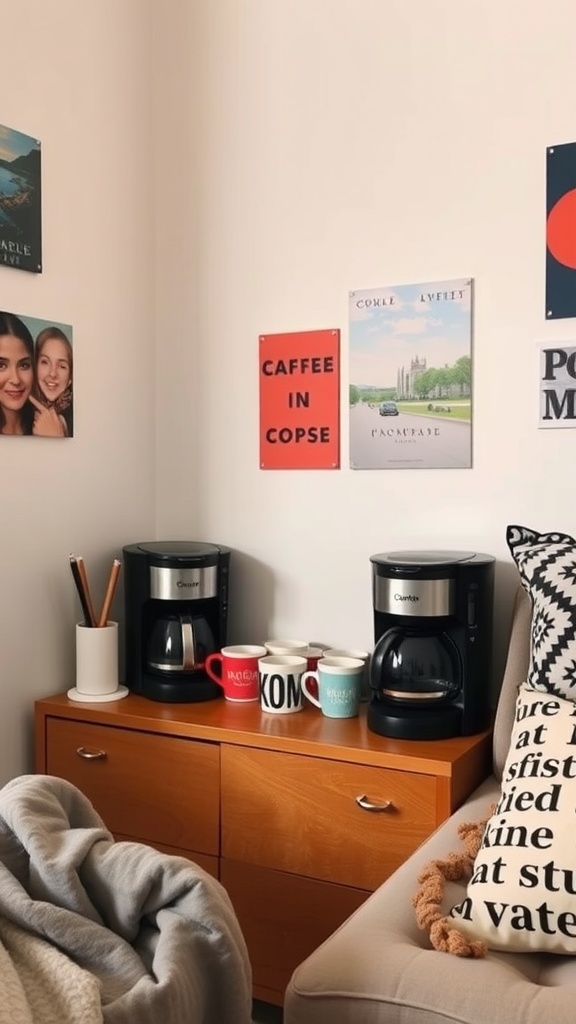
(109, 595)
(81, 584)
(84, 577)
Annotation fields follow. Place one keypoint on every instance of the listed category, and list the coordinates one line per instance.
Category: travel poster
(20, 201)
(36, 377)
(410, 398)
(561, 231)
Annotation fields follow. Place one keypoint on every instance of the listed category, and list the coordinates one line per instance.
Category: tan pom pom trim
(427, 902)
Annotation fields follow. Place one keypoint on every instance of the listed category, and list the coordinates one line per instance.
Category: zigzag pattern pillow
(547, 566)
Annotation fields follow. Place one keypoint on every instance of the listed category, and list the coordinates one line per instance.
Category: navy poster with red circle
(561, 231)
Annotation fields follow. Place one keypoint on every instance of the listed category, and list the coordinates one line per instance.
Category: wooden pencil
(109, 595)
(85, 584)
(80, 589)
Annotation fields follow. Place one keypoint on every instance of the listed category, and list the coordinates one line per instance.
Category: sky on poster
(382, 339)
(14, 144)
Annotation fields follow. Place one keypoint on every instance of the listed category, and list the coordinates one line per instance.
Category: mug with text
(235, 669)
(339, 682)
(280, 690)
(349, 652)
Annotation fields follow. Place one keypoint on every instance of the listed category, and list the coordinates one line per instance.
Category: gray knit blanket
(95, 930)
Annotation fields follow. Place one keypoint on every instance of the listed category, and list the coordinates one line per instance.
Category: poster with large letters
(300, 400)
(410, 398)
(557, 386)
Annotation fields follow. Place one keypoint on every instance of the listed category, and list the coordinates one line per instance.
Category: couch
(380, 967)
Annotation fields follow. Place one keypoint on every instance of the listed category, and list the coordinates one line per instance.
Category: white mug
(286, 646)
(341, 652)
(280, 690)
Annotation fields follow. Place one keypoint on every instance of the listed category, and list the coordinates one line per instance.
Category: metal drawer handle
(365, 804)
(90, 755)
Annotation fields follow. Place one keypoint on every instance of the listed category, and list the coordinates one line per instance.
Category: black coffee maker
(176, 609)
(430, 672)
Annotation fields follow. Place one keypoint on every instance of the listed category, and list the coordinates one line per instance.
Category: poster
(36, 377)
(20, 201)
(557, 386)
(300, 400)
(410, 376)
(561, 231)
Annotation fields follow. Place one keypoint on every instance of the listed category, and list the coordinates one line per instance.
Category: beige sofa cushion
(378, 968)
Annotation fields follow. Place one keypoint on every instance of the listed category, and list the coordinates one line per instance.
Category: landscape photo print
(410, 400)
(20, 201)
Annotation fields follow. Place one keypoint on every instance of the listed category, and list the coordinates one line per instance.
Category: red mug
(235, 669)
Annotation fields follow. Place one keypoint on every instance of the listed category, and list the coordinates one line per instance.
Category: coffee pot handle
(188, 646)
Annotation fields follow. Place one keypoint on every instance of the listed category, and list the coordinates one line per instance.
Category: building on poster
(561, 231)
(300, 400)
(557, 386)
(36, 377)
(20, 201)
(410, 376)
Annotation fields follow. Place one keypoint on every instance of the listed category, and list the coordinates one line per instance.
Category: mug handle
(214, 659)
(303, 679)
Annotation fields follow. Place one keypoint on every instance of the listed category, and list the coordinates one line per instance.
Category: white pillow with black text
(522, 894)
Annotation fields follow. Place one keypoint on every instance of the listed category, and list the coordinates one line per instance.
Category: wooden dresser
(280, 808)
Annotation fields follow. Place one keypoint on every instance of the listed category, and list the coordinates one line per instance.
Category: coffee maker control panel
(181, 584)
(414, 597)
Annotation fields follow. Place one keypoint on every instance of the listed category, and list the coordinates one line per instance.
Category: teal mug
(343, 652)
(339, 682)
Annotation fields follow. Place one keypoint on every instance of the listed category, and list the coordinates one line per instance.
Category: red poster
(300, 400)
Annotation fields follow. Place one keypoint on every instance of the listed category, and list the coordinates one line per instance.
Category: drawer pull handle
(90, 755)
(365, 804)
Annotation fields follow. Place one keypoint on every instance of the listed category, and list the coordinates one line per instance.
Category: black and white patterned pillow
(547, 566)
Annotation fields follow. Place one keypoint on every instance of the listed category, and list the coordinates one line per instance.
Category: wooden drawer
(299, 814)
(283, 919)
(160, 789)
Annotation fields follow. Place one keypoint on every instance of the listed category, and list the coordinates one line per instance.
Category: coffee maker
(176, 609)
(430, 671)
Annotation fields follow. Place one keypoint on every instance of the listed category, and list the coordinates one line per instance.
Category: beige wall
(215, 169)
(76, 76)
(350, 144)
